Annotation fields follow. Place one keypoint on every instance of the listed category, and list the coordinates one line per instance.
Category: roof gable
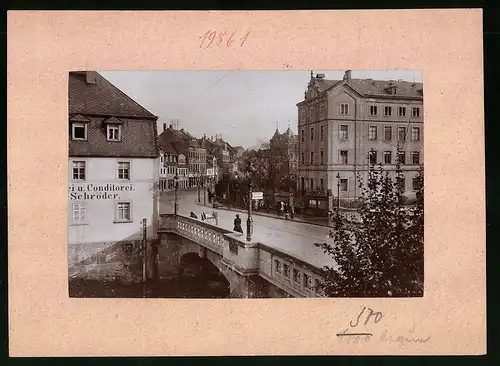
(100, 97)
(79, 118)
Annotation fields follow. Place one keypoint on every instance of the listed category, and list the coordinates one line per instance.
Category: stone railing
(203, 233)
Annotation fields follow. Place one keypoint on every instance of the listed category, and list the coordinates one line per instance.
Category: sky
(243, 106)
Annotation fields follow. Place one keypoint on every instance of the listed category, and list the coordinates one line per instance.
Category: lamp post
(204, 191)
(176, 185)
(250, 170)
(198, 179)
(338, 191)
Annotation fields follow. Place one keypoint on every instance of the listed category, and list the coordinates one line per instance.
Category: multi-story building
(222, 151)
(284, 158)
(113, 168)
(195, 155)
(341, 121)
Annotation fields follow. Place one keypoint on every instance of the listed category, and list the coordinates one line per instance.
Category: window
(321, 184)
(79, 131)
(78, 213)
(387, 111)
(343, 185)
(302, 183)
(402, 133)
(343, 132)
(312, 157)
(312, 183)
(114, 133)
(303, 158)
(373, 157)
(373, 110)
(387, 157)
(402, 111)
(312, 134)
(321, 132)
(311, 112)
(415, 156)
(124, 170)
(123, 211)
(344, 109)
(277, 267)
(302, 135)
(415, 112)
(79, 170)
(401, 157)
(343, 156)
(321, 109)
(321, 157)
(296, 276)
(387, 133)
(308, 282)
(303, 115)
(372, 133)
(403, 183)
(415, 184)
(286, 270)
(415, 133)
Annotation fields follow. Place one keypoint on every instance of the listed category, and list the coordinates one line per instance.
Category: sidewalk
(318, 221)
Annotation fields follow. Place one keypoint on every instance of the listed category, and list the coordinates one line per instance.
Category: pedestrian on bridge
(237, 224)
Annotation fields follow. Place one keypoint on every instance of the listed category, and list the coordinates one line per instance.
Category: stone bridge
(189, 246)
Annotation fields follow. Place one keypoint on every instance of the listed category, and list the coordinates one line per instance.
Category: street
(294, 238)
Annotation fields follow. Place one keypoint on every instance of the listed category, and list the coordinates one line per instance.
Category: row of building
(193, 162)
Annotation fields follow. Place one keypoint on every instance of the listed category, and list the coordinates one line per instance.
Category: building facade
(113, 168)
(341, 121)
(284, 151)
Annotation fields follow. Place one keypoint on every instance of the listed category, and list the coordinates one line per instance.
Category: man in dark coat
(237, 224)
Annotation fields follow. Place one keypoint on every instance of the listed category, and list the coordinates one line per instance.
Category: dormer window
(79, 127)
(113, 129)
(79, 131)
(391, 89)
(114, 132)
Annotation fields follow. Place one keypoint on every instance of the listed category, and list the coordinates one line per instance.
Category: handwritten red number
(204, 36)
(244, 39)
(221, 35)
(230, 41)
(211, 38)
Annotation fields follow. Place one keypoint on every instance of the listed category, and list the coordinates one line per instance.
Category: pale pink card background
(43, 46)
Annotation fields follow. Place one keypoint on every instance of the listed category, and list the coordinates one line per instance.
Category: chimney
(90, 77)
(347, 75)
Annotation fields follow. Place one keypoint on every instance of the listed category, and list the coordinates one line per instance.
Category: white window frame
(341, 136)
(417, 110)
(399, 134)
(413, 129)
(341, 161)
(388, 153)
(84, 210)
(373, 110)
(77, 124)
(385, 129)
(322, 109)
(118, 168)
(387, 108)
(404, 155)
(114, 127)
(369, 133)
(78, 162)
(402, 108)
(117, 208)
(344, 109)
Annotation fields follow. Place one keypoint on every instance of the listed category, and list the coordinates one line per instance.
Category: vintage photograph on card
(246, 184)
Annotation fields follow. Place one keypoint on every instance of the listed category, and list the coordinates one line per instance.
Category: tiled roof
(369, 87)
(101, 98)
(138, 140)
(169, 141)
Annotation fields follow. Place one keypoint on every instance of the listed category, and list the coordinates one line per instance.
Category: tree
(384, 254)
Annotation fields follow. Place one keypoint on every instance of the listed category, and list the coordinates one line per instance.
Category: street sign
(257, 195)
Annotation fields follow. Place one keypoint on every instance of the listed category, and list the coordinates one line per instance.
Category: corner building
(341, 121)
(113, 169)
